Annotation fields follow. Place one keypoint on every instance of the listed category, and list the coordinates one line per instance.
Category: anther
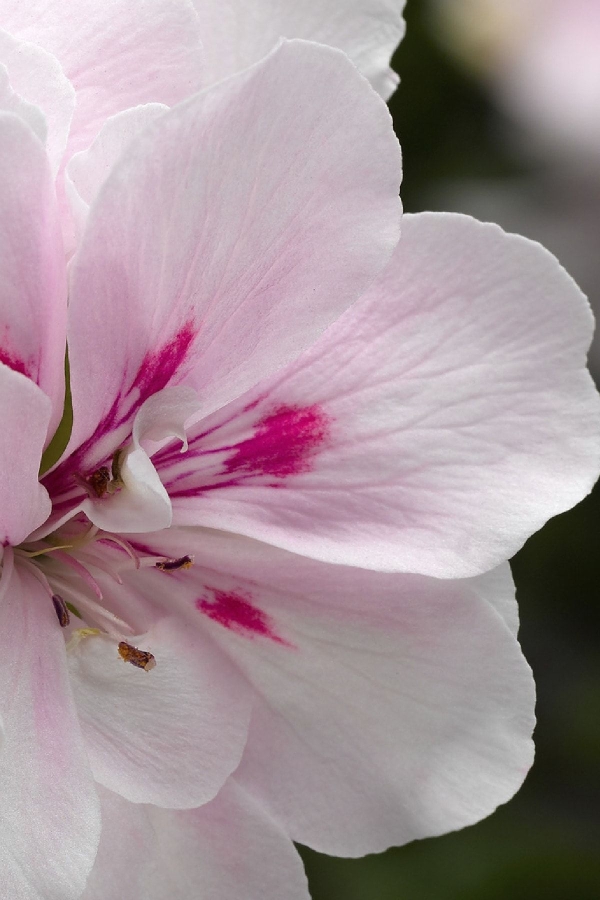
(172, 565)
(62, 613)
(142, 659)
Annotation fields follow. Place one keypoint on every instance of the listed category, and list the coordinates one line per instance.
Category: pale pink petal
(49, 815)
(498, 588)
(37, 78)
(391, 707)
(33, 298)
(25, 410)
(236, 33)
(229, 235)
(141, 502)
(169, 736)
(229, 849)
(88, 169)
(433, 429)
(117, 54)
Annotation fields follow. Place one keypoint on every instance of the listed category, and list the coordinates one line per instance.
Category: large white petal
(169, 736)
(49, 812)
(231, 233)
(229, 849)
(388, 707)
(432, 429)
(33, 292)
(236, 33)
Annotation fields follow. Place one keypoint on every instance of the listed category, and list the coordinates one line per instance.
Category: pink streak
(238, 614)
(283, 442)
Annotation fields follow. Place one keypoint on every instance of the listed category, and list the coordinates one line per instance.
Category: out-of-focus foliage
(544, 844)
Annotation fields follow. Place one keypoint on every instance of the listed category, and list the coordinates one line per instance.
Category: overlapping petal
(117, 54)
(49, 815)
(237, 34)
(33, 296)
(170, 736)
(230, 848)
(432, 429)
(388, 707)
(46, 96)
(24, 502)
(233, 231)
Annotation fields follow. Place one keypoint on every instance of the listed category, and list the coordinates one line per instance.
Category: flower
(282, 632)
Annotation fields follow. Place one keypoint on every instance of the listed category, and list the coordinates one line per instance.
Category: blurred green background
(545, 843)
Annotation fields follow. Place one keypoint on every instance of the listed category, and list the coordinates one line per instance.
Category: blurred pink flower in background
(277, 549)
(542, 57)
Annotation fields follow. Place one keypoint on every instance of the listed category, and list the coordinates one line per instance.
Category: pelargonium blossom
(263, 594)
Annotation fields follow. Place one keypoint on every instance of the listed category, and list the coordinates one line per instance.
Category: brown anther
(62, 613)
(142, 659)
(99, 481)
(172, 565)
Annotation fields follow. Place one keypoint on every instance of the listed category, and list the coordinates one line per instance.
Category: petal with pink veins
(49, 816)
(117, 54)
(229, 849)
(37, 79)
(232, 231)
(395, 707)
(26, 411)
(169, 736)
(237, 34)
(88, 169)
(33, 293)
(432, 429)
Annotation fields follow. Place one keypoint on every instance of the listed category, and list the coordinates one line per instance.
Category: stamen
(142, 659)
(62, 611)
(81, 571)
(125, 545)
(172, 565)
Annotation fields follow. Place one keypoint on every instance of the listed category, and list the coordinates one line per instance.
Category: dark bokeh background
(545, 843)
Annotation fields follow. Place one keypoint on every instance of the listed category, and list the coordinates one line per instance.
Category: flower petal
(37, 77)
(141, 503)
(435, 427)
(169, 736)
(117, 54)
(49, 816)
(33, 297)
(237, 34)
(24, 503)
(229, 849)
(389, 707)
(229, 235)
(88, 169)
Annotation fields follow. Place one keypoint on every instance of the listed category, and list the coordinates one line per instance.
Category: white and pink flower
(263, 594)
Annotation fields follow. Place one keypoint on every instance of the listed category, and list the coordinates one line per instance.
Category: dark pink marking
(158, 367)
(283, 443)
(13, 362)
(238, 614)
(155, 372)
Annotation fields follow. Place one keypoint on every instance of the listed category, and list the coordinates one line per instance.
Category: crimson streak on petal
(238, 613)
(283, 443)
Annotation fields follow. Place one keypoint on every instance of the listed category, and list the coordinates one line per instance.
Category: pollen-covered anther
(104, 480)
(61, 610)
(142, 659)
(173, 565)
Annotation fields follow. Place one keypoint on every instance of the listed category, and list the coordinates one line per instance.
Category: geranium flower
(246, 605)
